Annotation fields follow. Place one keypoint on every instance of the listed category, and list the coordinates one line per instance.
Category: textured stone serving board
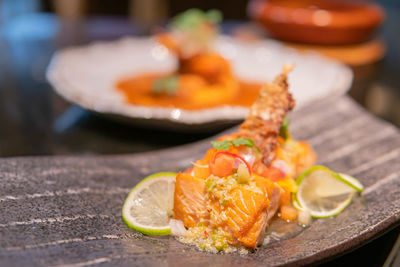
(66, 210)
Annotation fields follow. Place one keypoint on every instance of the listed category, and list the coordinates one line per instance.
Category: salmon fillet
(243, 209)
(255, 235)
(245, 214)
(189, 200)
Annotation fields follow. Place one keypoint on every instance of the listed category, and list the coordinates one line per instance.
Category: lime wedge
(149, 204)
(323, 192)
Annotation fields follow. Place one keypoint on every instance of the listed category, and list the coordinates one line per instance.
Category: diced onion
(248, 155)
(177, 227)
(304, 217)
(243, 174)
(250, 158)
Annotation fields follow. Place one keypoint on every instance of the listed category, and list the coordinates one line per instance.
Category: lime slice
(323, 192)
(149, 204)
(296, 204)
(353, 182)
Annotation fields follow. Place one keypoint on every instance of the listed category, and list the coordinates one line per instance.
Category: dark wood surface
(65, 210)
(35, 121)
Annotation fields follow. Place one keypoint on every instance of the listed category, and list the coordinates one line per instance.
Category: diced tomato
(225, 163)
(222, 165)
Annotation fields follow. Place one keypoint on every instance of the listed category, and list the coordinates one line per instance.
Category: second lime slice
(325, 193)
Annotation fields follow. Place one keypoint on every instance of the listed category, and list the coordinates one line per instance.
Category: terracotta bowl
(333, 22)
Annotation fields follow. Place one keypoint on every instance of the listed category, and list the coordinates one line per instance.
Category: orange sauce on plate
(193, 93)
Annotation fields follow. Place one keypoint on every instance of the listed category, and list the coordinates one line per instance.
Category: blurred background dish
(88, 76)
(329, 22)
(344, 30)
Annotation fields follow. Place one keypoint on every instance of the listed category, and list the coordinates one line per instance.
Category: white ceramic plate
(87, 76)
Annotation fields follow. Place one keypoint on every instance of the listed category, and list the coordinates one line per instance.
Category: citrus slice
(149, 204)
(296, 204)
(323, 192)
(353, 182)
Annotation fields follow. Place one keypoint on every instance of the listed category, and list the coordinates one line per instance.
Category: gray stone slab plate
(66, 210)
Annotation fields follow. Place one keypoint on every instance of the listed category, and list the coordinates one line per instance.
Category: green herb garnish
(243, 141)
(226, 144)
(219, 241)
(194, 17)
(210, 185)
(284, 130)
(166, 85)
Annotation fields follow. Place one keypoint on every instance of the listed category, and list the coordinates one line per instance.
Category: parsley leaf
(226, 144)
(243, 141)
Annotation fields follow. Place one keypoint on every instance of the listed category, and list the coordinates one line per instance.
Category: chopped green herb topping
(166, 85)
(226, 144)
(284, 130)
(210, 185)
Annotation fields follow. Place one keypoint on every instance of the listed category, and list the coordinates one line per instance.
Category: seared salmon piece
(189, 199)
(255, 235)
(272, 191)
(243, 210)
